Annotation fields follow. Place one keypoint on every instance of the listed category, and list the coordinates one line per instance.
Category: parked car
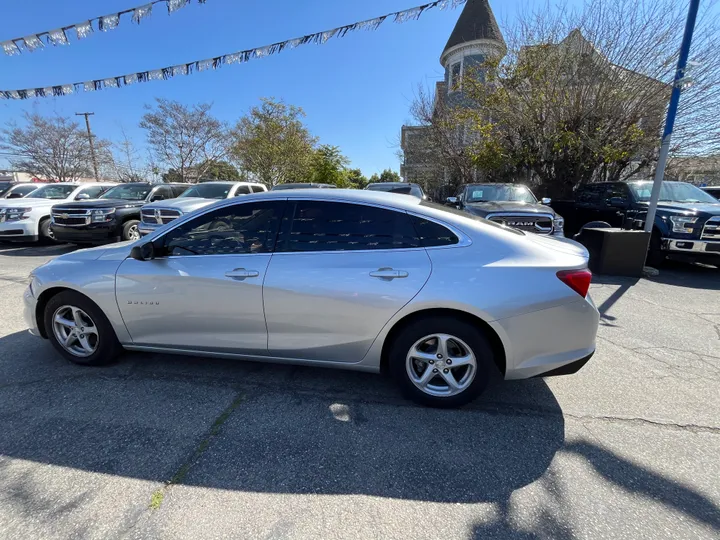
(157, 214)
(28, 219)
(114, 216)
(18, 190)
(687, 223)
(339, 278)
(513, 205)
(713, 190)
(278, 187)
(403, 188)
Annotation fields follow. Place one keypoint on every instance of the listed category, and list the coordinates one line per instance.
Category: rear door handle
(242, 273)
(388, 273)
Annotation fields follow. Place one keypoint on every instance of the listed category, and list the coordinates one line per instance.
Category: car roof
(391, 184)
(383, 198)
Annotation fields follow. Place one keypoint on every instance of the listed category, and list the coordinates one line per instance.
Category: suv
(115, 215)
(513, 205)
(28, 219)
(687, 222)
(398, 187)
(158, 214)
(18, 190)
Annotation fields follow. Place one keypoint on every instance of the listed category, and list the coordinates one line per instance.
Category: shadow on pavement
(11, 249)
(294, 430)
(679, 274)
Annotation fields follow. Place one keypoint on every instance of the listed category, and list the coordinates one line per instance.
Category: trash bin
(614, 251)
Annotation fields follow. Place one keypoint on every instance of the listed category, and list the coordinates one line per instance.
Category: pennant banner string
(239, 57)
(60, 36)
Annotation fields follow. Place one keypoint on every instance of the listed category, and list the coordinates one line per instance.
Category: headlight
(102, 215)
(15, 214)
(680, 224)
(558, 223)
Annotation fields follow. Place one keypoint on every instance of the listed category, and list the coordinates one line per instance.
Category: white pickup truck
(28, 219)
(197, 196)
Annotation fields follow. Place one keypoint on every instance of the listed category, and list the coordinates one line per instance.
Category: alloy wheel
(134, 233)
(441, 365)
(75, 331)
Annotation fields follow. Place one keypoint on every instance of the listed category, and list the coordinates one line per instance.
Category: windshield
(129, 193)
(208, 191)
(55, 191)
(672, 192)
(487, 193)
(398, 187)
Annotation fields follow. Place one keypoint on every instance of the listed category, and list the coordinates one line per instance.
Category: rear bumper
(96, 233)
(550, 341)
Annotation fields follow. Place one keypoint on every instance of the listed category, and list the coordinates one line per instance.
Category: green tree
(356, 179)
(374, 178)
(272, 143)
(218, 170)
(388, 175)
(327, 166)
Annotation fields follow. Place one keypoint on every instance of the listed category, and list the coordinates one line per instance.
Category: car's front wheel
(441, 361)
(79, 330)
(131, 230)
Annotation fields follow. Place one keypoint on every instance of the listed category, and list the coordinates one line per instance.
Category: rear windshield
(399, 187)
(456, 212)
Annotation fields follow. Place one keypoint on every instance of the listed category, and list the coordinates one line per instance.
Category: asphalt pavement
(161, 446)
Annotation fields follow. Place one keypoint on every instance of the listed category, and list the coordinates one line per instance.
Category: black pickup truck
(687, 222)
(114, 216)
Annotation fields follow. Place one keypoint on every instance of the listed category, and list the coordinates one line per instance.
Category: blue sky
(356, 91)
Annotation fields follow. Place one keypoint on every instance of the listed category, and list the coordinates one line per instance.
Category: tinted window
(590, 193)
(4, 186)
(257, 189)
(209, 191)
(162, 193)
(242, 228)
(330, 226)
(433, 234)
(242, 190)
(178, 190)
(54, 191)
(128, 192)
(22, 190)
(93, 192)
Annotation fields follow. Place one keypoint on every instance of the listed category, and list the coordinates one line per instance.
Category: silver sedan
(348, 279)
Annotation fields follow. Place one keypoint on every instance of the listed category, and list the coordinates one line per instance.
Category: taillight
(577, 280)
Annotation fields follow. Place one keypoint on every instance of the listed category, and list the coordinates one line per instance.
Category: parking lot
(162, 446)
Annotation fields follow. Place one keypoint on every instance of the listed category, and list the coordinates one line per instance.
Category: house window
(455, 77)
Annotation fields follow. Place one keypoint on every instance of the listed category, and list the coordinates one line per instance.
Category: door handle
(242, 273)
(388, 273)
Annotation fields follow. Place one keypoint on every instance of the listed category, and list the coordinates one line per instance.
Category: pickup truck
(27, 219)
(114, 216)
(513, 205)
(687, 222)
(155, 215)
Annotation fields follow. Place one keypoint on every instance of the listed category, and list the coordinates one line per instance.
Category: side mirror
(15, 196)
(82, 197)
(618, 202)
(545, 200)
(157, 198)
(453, 201)
(143, 252)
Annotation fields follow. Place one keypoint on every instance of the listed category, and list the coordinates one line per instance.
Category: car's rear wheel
(441, 361)
(79, 330)
(131, 230)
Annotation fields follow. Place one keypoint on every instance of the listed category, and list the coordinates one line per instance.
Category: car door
(340, 271)
(204, 290)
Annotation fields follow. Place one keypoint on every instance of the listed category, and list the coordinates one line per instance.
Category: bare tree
(183, 138)
(53, 148)
(127, 164)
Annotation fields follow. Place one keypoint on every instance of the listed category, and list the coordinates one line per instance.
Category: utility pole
(671, 113)
(90, 138)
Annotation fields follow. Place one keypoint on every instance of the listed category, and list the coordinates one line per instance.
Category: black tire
(108, 347)
(655, 256)
(471, 335)
(129, 227)
(46, 235)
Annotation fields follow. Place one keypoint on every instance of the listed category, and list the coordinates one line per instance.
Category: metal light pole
(90, 138)
(672, 112)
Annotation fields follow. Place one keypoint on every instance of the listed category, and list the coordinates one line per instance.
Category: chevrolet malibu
(340, 278)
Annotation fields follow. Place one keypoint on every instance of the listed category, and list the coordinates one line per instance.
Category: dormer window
(455, 82)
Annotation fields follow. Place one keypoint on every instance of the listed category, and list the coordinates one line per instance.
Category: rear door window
(332, 226)
(433, 234)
